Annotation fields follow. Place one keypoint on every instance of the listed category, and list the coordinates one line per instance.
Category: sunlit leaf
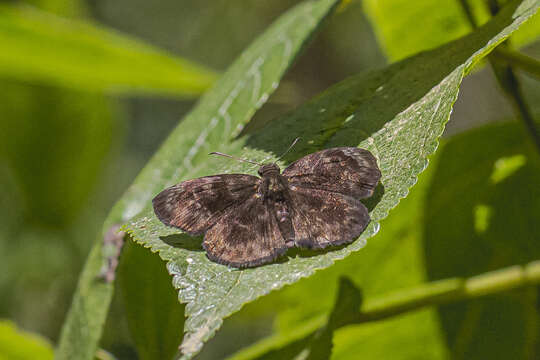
(16, 344)
(36, 46)
(396, 23)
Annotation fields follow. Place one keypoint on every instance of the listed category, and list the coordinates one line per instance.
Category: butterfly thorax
(269, 170)
(273, 186)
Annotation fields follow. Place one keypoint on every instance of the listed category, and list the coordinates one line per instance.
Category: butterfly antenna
(289, 149)
(235, 158)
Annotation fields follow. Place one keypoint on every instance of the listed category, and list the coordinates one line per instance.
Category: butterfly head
(269, 170)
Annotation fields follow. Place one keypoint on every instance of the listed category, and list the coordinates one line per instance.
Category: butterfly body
(274, 192)
(249, 221)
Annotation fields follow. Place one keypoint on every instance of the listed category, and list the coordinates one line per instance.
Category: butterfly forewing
(347, 170)
(246, 235)
(195, 205)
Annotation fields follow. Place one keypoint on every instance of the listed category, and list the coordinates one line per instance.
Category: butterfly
(249, 221)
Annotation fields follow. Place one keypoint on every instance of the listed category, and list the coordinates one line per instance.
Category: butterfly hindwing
(322, 218)
(195, 205)
(246, 235)
(347, 170)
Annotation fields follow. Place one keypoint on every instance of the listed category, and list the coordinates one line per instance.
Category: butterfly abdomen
(274, 191)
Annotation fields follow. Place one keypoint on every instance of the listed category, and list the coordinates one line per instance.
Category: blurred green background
(68, 149)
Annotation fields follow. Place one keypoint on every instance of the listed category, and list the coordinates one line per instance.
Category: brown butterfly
(250, 221)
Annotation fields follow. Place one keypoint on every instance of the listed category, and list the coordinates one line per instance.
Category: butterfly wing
(346, 170)
(195, 205)
(324, 190)
(323, 218)
(247, 235)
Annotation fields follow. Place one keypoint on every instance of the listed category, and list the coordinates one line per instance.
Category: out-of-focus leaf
(67, 8)
(16, 344)
(482, 214)
(528, 33)
(155, 317)
(231, 102)
(404, 28)
(398, 113)
(54, 146)
(36, 46)
(410, 336)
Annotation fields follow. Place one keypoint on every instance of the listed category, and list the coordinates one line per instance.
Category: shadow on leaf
(353, 110)
(184, 241)
(376, 198)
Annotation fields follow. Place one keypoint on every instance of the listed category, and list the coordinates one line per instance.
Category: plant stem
(511, 86)
(87, 312)
(89, 308)
(431, 294)
(468, 13)
(448, 290)
(517, 59)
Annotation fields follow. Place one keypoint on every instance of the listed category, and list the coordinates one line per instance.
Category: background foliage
(92, 88)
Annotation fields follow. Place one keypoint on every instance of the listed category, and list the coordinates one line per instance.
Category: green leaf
(397, 256)
(481, 209)
(50, 155)
(36, 46)
(231, 102)
(398, 113)
(528, 33)
(84, 322)
(396, 24)
(491, 167)
(155, 318)
(16, 344)
(67, 8)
